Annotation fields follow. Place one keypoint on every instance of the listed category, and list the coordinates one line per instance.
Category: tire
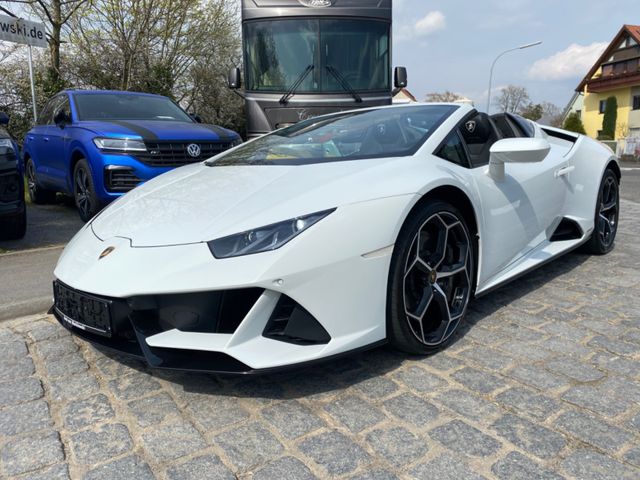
(84, 192)
(37, 194)
(430, 279)
(606, 217)
(14, 227)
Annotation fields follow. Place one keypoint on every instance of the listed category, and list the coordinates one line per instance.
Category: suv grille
(175, 154)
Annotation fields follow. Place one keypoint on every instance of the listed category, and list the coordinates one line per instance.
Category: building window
(636, 102)
(603, 106)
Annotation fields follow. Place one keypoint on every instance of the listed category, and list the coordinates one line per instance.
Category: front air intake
(291, 323)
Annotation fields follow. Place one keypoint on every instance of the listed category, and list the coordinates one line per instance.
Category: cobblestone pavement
(543, 382)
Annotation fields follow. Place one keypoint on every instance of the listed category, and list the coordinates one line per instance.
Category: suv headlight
(6, 146)
(120, 144)
(264, 239)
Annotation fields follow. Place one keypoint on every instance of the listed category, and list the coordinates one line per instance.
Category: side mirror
(516, 150)
(61, 119)
(400, 77)
(4, 118)
(235, 80)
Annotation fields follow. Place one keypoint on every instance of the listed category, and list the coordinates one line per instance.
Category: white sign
(17, 30)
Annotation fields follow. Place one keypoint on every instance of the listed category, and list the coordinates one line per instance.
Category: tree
(553, 113)
(56, 14)
(443, 97)
(610, 119)
(573, 123)
(179, 48)
(532, 112)
(512, 98)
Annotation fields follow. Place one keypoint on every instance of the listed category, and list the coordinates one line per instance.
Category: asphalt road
(26, 271)
(630, 188)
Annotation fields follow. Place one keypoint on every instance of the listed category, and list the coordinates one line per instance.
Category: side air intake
(291, 323)
(567, 230)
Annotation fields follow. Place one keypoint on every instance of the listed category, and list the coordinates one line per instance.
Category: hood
(199, 203)
(154, 130)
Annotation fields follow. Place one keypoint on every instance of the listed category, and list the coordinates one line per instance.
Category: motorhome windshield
(344, 53)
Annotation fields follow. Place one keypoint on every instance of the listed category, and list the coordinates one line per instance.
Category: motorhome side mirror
(4, 118)
(61, 118)
(234, 79)
(400, 77)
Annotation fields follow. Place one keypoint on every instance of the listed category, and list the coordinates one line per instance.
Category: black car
(13, 210)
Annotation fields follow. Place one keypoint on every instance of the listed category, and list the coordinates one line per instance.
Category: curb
(33, 306)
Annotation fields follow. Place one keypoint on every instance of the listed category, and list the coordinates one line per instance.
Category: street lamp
(521, 47)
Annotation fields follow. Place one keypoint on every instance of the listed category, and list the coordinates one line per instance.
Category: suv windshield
(383, 132)
(128, 106)
(278, 51)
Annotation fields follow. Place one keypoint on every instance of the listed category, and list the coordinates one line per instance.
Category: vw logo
(316, 3)
(193, 150)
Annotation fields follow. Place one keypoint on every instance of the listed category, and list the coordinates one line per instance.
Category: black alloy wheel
(606, 215)
(84, 191)
(431, 279)
(37, 194)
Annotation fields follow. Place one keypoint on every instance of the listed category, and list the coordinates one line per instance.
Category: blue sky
(450, 44)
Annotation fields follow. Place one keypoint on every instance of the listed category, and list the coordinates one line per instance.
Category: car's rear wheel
(84, 191)
(606, 215)
(431, 279)
(37, 194)
(14, 227)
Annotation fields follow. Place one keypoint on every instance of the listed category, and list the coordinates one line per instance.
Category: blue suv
(97, 145)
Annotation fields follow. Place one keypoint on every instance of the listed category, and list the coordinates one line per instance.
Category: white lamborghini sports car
(333, 235)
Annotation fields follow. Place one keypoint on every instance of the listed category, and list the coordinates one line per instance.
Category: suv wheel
(84, 191)
(37, 194)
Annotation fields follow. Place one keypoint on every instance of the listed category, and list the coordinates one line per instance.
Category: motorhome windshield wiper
(294, 88)
(344, 83)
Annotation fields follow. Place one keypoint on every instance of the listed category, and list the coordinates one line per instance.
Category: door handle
(564, 171)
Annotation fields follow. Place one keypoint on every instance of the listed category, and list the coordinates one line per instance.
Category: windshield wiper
(344, 83)
(292, 91)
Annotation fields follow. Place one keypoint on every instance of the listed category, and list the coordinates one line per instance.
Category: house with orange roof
(615, 74)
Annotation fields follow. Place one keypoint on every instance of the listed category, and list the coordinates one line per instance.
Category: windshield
(383, 132)
(128, 106)
(277, 53)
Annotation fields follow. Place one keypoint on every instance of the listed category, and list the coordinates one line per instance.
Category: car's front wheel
(431, 279)
(84, 191)
(606, 215)
(37, 194)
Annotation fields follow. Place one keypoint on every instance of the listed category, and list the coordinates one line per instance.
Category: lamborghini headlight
(264, 239)
(120, 144)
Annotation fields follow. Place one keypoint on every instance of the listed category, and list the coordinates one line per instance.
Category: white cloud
(573, 62)
(430, 23)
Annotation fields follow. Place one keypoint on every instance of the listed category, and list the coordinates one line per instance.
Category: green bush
(573, 123)
(610, 119)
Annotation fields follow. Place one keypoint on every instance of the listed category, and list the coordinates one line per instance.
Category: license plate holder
(81, 310)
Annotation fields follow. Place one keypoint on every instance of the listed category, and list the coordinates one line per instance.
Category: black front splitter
(192, 360)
